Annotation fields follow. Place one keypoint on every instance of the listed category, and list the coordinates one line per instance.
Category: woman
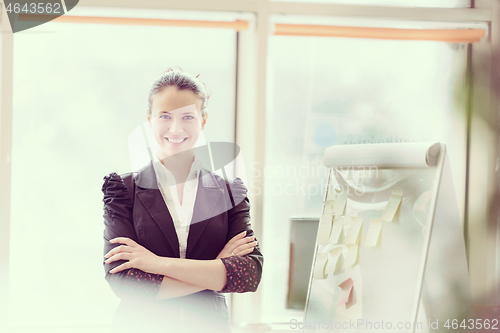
(176, 235)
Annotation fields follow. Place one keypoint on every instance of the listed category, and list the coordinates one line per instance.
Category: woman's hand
(239, 245)
(138, 256)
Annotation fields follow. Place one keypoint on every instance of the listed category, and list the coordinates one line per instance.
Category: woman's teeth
(176, 140)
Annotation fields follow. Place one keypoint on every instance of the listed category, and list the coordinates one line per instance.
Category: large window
(79, 91)
(328, 91)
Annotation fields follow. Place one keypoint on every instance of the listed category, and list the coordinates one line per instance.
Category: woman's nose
(176, 126)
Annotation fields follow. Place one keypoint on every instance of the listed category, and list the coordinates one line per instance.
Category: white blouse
(181, 214)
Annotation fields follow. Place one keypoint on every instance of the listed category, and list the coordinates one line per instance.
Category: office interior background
(288, 79)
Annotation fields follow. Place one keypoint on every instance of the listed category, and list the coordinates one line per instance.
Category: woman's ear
(204, 120)
(149, 120)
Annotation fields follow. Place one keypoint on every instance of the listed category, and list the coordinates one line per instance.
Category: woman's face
(176, 120)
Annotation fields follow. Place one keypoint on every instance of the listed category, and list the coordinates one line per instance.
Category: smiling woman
(178, 128)
(176, 235)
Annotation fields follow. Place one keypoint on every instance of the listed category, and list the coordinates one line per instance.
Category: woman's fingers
(232, 242)
(122, 267)
(242, 241)
(119, 256)
(124, 240)
(238, 244)
(237, 237)
(122, 248)
(118, 249)
(244, 247)
(245, 252)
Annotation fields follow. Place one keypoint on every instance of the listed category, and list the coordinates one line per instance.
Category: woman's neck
(179, 165)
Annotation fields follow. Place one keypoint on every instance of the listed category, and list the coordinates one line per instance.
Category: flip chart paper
(353, 231)
(373, 233)
(345, 296)
(392, 205)
(382, 155)
(336, 230)
(355, 176)
(333, 258)
(351, 255)
(325, 226)
(319, 267)
(338, 207)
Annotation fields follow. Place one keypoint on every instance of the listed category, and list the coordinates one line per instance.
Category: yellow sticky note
(325, 226)
(353, 231)
(338, 207)
(319, 266)
(373, 233)
(329, 202)
(392, 205)
(336, 230)
(351, 255)
(331, 195)
(333, 258)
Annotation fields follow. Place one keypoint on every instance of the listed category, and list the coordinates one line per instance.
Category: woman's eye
(188, 117)
(164, 116)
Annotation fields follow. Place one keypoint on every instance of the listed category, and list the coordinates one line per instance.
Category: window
(328, 91)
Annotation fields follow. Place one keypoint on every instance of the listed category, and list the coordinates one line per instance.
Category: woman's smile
(176, 140)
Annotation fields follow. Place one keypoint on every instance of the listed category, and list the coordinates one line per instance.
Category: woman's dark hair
(182, 81)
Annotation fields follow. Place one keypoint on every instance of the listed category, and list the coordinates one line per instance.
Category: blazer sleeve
(118, 223)
(243, 274)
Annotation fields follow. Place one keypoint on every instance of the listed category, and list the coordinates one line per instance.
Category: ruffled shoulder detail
(113, 177)
(239, 186)
(116, 194)
(113, 185)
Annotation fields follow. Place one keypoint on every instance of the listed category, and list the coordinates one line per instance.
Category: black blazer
(134, 208)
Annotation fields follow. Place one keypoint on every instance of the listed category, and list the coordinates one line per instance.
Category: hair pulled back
(182, 81)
